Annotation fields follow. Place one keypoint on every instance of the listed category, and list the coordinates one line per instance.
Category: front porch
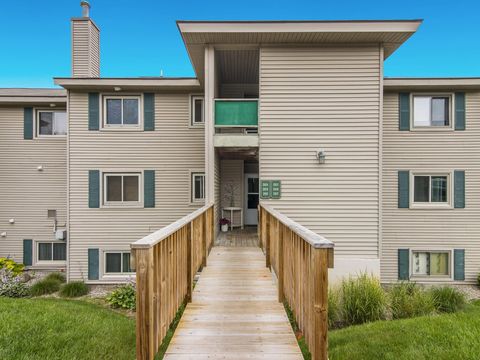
(246, 237)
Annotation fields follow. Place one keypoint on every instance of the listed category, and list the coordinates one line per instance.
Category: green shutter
(459, 264)
(27, 252)
(93, 264)
(93, 188)
(149, 112)
(459, 111)
(403, 264)
(93, 111)
(149, 188)
(404, 111)
(28, 123)
(403, 189)
(459, 189)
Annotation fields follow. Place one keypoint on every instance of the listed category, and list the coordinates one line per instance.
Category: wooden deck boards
(234, 313)
(238, 237)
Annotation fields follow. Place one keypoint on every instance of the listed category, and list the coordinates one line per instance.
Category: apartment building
(293, 114)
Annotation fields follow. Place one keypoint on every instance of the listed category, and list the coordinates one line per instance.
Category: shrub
(409, 300)
(333, 307)
(74, 289)
(11, 285)
(478, 280)
(363, 300)
(448, 299)
(9, 264)
(124, 297)
(44, 287)
(56, 276)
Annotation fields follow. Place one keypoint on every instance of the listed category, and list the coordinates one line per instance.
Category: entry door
(251, 199)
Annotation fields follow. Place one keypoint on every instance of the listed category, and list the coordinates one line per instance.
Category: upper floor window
(198, 187)
(431, 189)
(51, 122)
(431, 111)
(197, 110)
(122, 189)
(121, 111)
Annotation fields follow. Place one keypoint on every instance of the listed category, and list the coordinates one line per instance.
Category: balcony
(236, 113)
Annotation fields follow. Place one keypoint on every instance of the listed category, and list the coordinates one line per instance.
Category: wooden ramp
(234, 313)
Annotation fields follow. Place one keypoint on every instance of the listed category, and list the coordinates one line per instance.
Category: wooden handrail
(300, 259)
(317, 241)
(159, 235)
(166, 262)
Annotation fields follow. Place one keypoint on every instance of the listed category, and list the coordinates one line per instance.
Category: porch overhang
(197, 34)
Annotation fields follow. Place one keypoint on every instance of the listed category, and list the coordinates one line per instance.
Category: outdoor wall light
(320, 154)
(3, 234)
(40, 167)
(11, 221)
(117, 88)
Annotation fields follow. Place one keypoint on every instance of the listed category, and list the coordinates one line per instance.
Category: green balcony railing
(236, 112)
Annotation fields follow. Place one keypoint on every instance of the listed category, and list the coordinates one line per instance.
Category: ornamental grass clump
(74, 289)
(363, 300)
(45, 287)
(408, 300)
(448, 299)
(56, 276)
(333, 307)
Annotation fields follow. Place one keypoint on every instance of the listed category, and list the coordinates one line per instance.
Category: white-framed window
(435, 263)
(431, 189)
(50, 123)
(122, 189)
(122, 112)
(432, 111)
(197, 110)
(116, 262)
(51, 251)
(198, 186)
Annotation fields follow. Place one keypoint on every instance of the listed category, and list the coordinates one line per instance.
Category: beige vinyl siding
(172, 150)
(232, 175)
(328, 98)
(85, 49)
(434, 151)
(26, 193)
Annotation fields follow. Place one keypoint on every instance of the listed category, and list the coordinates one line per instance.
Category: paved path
(235, 313)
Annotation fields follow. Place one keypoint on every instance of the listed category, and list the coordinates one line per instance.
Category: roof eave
(128, 83)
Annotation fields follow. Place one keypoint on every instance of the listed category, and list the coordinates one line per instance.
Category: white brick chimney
(85, 45)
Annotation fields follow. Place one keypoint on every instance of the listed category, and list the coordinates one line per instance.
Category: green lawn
(70, 329)
(452, 336)
(63, 329)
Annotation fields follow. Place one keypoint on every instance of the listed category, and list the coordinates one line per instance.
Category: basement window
(51, 251)
(435, 263)
(117, 262)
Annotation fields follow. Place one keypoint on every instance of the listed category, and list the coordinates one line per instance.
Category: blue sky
(140, 37)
